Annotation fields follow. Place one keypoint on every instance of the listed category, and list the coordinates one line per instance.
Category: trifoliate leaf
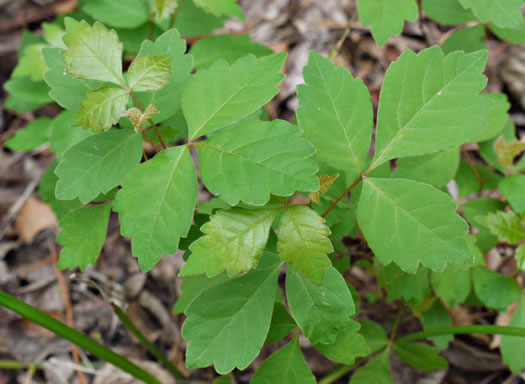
(520, 256)
(157, 213)
(347, 346)
(32, 136)
(149, 73)
(386, 17)
(452, 285)
(65, 90)
(233, 240)
(320, 311)
(506, 225)
(436, 169)
(230, 333)
(227, 47)
(503, 13)
(374, 335)
(375, 371)
(420, 356)
(508, 150)
(447, 12)
(192, 286)
(163, 9)
(64, 133)
(430, 102)
(497, 118)
(224, 94)
(138, 118)
(489, 286)
(282, 324)
(97, 164)
(409, 223)
(513, 189)
(254, 159)
(83, 234)
(168, 98)
(303, 242)
(435, 317)
(335, 114)
(469, 39)
(130, 14)
(286, 366)
(221, 7)
(102, 108)
(512, 347)
(94, 52)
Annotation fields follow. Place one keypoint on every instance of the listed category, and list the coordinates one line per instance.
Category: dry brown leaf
(33, 218)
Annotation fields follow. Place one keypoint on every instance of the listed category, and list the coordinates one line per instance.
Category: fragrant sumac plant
(287, 197)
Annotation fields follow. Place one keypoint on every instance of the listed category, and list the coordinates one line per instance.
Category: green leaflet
(506, 225)
(413, 288)
(467, 180)
(447, 12)
(83, 234)
(282, 324)
(286, 366)
(194, 21)
(47, 187)
(168, 98)
(31, 63)
(452, 285)
(320, 311)
(149, 73)
(94, 52)
(347, 346)
(520, 256)
(65, 90)
(102, 108)
(227, 47)
(430, 102)
(233, 240)
(503, 13)
(476, 209)
(254, 159)
(497, 118)
(224, 94)
(513, 35)
(512, 348)
(488, 286)
(410, 223)
(26, 95)
(97, 164)
(192, 286)
(420, 356)
(63, 133)
(303, 242)
(221, 7)
(386, 17)
(163, 9)
(435, 317)
(374, 335)
(436, 169)
(130, 14)
(375, 371)
(469, 39)
(156, 214)
(335, 114)
(513, 188)
(32, 136)
(230, 333)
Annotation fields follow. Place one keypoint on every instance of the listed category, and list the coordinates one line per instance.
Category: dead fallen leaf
(33, 218)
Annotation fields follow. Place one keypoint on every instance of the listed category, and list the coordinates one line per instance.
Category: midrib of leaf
(305, 241)
(121, 82)
(250, 299)
(247, 159)
(422, 108)
(100, 159)
(144, 74)
(341, 125)
(289, 364)
(251, 227)
(106, 101)
(242, 87)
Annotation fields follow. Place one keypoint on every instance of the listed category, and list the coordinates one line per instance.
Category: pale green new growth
(158, 212)
(230, 333)
(506, 225)
(320, 311)
(304, 243)
(138, 118)
(430, 102)
(224, 94)
(503, 13)
(149, 73)
(254, 159)
(94, 52)
(97, 164)
(163, 9)
(335, 114)
(286, 366)
(386, 17)
(233, 240)
(221, 7)
(102, 108)
(83, 234)
(409, 223)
